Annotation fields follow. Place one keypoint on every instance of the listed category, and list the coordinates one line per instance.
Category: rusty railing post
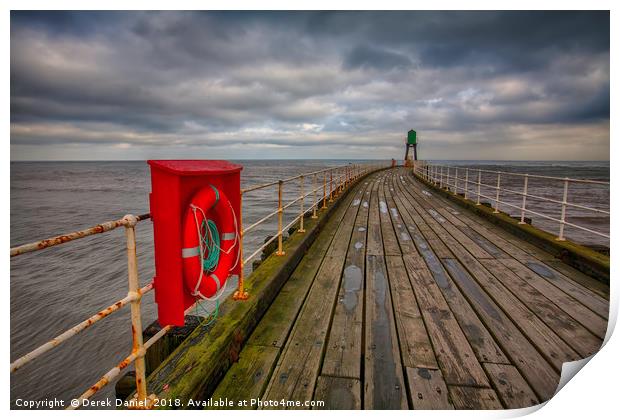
(301, 206)
(240, 293)
(456, 180)
(479, 178)
(325, 189)
(522, 222)
(331, 186)
(466, 183)
(441, 179)
(497, 194)
(316, 204)
(280, 211)
(136, 318)
(563, 215)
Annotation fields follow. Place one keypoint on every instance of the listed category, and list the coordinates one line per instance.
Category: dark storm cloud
(145, 80)
(367, 56)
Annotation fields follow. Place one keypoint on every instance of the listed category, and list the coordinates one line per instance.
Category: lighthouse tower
(412, 142)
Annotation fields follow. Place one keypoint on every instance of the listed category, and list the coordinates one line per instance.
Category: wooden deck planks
(574, 334)
(532, 364)
(416, 348)
(248, 378)
(482, 342)
(454, 353)
(512, 389)
(414, 303)
(384, 385)
(338, 393)
(428, 389)
(570, 305)
(296, 372)
(344, 348)
(469, 398)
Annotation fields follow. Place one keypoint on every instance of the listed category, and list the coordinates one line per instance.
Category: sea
(55, 289)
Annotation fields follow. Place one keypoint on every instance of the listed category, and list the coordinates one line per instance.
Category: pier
(392, 290)
(407, 300)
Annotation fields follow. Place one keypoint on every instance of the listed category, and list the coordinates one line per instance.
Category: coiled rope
(211, 244)
(209, 240)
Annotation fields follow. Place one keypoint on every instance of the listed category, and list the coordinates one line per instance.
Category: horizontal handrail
(293, 178)
(555, 178)
(134, 298)
(448, 177)
(68, 237)
(536, 197)
(79, 328)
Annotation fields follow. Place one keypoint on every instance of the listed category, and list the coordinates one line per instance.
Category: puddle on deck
(352, 285)
(471, 287)
(541, 270)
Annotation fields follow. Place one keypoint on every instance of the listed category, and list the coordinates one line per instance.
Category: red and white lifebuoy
(212, 202)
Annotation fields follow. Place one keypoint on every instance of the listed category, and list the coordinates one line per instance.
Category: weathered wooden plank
(550, 345)
(390, 243)
(543, 380)
(384, 387)
(478, 223)
(428, 389)
(374, 245)
(481, 225)
(540, 374)
(599, 304)
(570, 305)
(463, 239)
(344, 347)
(471, 228)
(591, 300)
(276, 325)
(512, 389)
(482, 342)
(468, 398)
(484, 243)
(574, 334)
(593, 285)
(342, 239)
(399, 224)
(415, 344)
(454, 354)
(295, 375)
(248, 379)
(338, 393)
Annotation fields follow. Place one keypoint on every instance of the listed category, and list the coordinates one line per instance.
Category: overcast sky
(475, 85)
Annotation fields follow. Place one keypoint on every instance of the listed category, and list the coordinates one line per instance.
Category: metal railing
(335, 180)
(471, 185)
(133, 298)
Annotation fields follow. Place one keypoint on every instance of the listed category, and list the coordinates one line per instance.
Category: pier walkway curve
(406, 300)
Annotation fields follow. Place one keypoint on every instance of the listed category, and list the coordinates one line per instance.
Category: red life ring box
(173, 185)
